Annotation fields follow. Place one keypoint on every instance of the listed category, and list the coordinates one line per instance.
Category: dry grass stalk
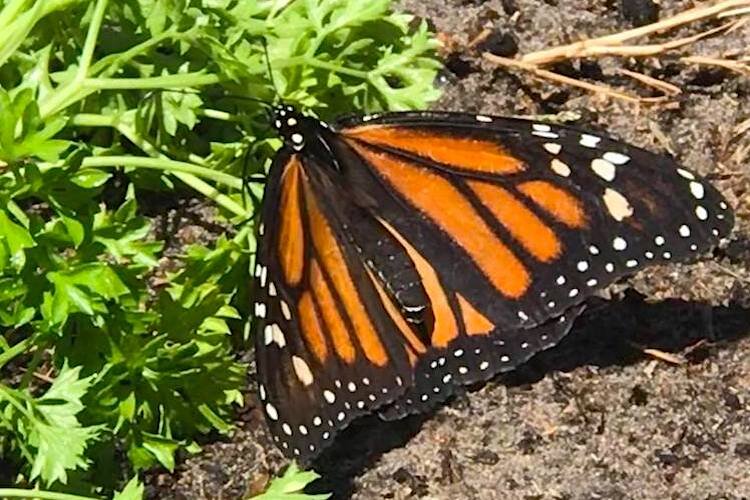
(730, 64)
(660, 85)
(668, 357)
(614, 45)
(586, 48)
(573, 82)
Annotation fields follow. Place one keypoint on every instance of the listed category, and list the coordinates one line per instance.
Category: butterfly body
(405, 254)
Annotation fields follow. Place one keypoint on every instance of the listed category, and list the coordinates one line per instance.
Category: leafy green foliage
(132, 491)
(117, 336)
(290, 486)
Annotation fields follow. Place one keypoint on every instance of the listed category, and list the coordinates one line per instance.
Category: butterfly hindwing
(472, 359)
(327, 350)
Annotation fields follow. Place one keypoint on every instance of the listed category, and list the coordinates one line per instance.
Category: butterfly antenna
(268, 66)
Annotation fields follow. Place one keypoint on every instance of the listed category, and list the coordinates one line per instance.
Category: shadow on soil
(608, 334)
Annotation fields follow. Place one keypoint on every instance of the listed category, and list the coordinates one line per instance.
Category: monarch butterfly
(403, 254)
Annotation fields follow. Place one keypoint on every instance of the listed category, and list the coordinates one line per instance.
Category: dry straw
(621, 45)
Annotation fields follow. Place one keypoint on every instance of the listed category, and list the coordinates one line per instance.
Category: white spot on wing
(285, 310)
(684, 173)
(546, 135)
(483, 118)
(590, 141)
(698, 190)
(260, 310)
(553, 148)
(267, 334)
(559, 167)
(278, 335)
(271, 412)
(619, 244)
(302, 370)
(619, 207)
(616, 158)
(701, 212)
(604, 169)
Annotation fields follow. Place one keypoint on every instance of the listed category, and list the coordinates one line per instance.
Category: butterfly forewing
(559, 213)
(409, 253)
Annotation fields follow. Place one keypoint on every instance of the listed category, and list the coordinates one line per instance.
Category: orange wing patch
(556, 201)
(336, 327)
(446, 206)
(312, 330)
(523, 224)
(475, 322)
(332, 260)
(291, 237)
(462, 153)
(445, 327)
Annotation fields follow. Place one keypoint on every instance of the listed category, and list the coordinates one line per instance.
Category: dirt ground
(595, 417)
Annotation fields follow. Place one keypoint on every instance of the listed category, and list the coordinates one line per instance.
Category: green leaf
(81, 289)
(59, 438)
(90, 178)
(23, 134)
(180, 108)
(161, 448)
(290, 486)
(14, 240)
(134, 490)
(83, 271)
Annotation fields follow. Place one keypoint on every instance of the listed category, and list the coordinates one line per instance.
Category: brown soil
(595, 417)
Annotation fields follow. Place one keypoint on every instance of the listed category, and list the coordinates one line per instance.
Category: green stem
(14, 351)
(219, 115)
(16, 31)
(187, 172)
(10, 396)
(11, 11)
(212, 193)
(171, 166)
(155, 82)
(73, 90)
(111, 64)
(31, 367)
(88, 46)
(44, 495)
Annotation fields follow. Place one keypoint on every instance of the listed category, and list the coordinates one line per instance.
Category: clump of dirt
(595, 417)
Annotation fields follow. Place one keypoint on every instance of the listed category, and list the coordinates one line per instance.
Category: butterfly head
(288, 122)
